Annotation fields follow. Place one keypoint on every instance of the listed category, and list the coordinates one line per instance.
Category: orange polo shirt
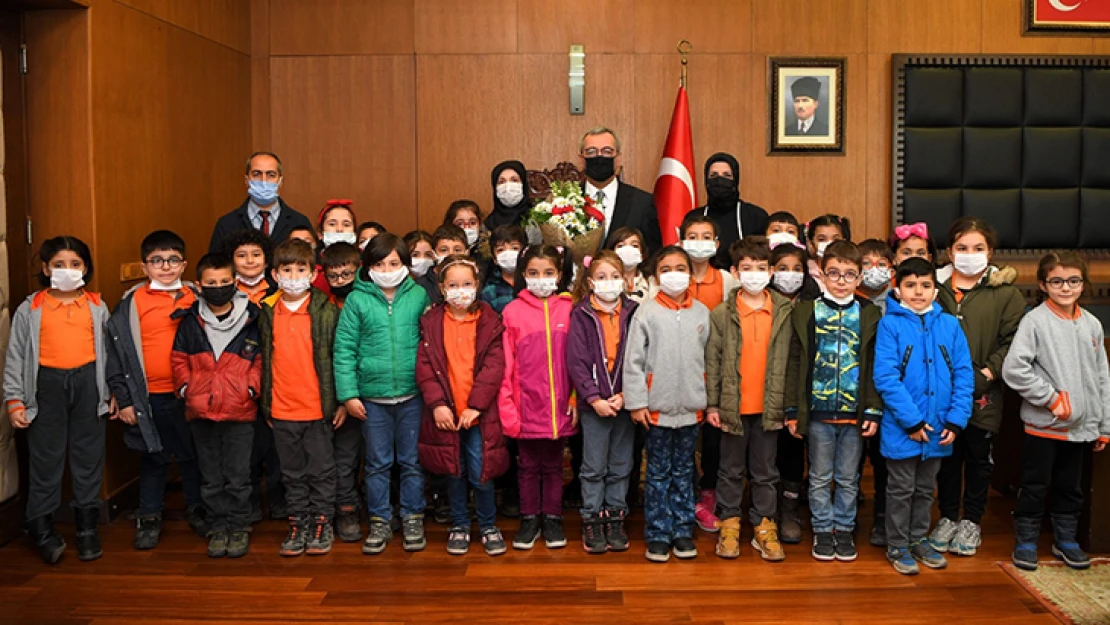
(157, 331)
(610, 330)
(460, 337)
(255, 293)
(296, 389)
(710, 290)
(66, 338)
(755, 332)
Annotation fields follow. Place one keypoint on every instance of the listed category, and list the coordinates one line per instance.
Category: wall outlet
(129, 272)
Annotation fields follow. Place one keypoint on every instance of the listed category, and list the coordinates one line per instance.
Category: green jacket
(722, 363)
(324, 315)
(989, 314)
(376, 341)
(799, 368)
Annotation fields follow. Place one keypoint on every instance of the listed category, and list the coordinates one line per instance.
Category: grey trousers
(349, 451)
(909, 499)
(756, 452)
(307, 459)
(606, 461)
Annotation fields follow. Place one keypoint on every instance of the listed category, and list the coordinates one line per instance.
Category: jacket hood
(995, 275)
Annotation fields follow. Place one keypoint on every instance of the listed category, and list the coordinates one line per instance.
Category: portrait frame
(787, 132)
(1065, 17)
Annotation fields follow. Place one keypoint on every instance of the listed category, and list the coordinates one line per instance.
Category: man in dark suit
(806, 92)
(623, 204)
(263, 209)
(735, 218)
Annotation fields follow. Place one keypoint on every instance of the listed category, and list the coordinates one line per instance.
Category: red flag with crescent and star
(675, 190)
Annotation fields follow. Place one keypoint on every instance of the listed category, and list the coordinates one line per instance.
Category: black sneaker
(238, 544)
(493, 542)
(529, 532)
(441, 508)
(412, 532)
(217, 545)
(378, 537)
(148, 529)
(295, 539)
(347, 526)
(845, 546)
(196, 516)
(658, 552)
(593, 534)
(685, 549)
(322, 537)
(615, 536)
(553, 536)
(458, 540)
(877, 538)
(824, 547)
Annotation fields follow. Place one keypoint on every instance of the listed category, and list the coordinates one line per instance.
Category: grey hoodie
(220, 333)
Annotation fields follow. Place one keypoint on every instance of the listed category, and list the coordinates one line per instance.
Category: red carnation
(593, 212)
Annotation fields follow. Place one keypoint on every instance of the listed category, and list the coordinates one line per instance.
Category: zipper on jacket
(392, 349)
(550, 370)
(839, 332)
(604, 356)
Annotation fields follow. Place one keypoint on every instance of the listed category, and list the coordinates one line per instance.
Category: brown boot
(766, 541)
(728, 541)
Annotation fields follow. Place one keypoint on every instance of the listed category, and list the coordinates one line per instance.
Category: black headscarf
(501, 214)
(721, 205)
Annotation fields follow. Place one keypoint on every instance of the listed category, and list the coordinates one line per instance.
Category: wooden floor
(177, 583)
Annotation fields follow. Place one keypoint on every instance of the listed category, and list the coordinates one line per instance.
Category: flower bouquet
(567, 219)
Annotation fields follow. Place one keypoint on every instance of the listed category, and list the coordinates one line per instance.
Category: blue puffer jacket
(924, 374)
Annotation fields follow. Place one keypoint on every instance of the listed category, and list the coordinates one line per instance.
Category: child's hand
(468, 418)
(355, 408)
(270, 422)
(922, 435)
(603, 408)
(127, 415)
(714, 417)
(18, 418)
(793, 427)
(616, 402)
(340, 417)
(113, 407)
(869, 428)
(642, 417)
(987, 374)
(1060, 411)
(574, 414)
(445, 419)
(947, 436)
(1100, 445)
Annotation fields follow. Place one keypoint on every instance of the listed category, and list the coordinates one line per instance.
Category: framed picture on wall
(805, 105)
(1078, 17)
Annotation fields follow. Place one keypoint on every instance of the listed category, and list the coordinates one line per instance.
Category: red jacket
(218, 391)
(439, 450)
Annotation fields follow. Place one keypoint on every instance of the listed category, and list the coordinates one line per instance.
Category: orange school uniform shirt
(157, 330)
(255, 293)
(459, 341)
(755, 332)
(66, 338)
(610, 330)
(296, 394)
(710, 290)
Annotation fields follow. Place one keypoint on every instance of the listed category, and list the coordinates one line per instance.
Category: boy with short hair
(749, 344)
(448, 239)
(250, 251)
(140, 375)
(217, 371)
(877, 271)
(831, 397)
(506, 241)
(297, 326)
(304, 233)
(340, 263)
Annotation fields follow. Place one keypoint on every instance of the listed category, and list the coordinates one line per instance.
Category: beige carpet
(1074, 597)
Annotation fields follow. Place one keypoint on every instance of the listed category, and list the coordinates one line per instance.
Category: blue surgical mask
(262, 192)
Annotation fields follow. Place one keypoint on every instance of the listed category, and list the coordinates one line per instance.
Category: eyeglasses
(1057, 283)
(173, 262)
(343, 275)
(592, 152)
(836, 276)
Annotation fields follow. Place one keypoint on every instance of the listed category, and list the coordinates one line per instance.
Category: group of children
(468, 354)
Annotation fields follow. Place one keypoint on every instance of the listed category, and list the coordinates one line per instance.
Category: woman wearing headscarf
(510, 195)
(735, 218)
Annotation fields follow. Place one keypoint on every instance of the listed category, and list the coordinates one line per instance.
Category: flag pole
(684, 47)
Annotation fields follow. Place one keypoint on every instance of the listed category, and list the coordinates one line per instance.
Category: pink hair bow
(906, 231)
(586, 260)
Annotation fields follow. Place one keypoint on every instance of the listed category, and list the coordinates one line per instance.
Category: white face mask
(389, 279)
(971, 264)
(338, 237)
(699, 248)
(507, 259)
(461, 297)
(158, 286)
(362, 246)
(776, 239)
(608, 290)
(674, 283)
(510, 193)
(821, 248)
(754, 281)
(294, 286)
(542, 287)
(471, 236)
(789, 281)
(67, 279)
(420, 266)
(630, 256)
(251, 281)
(876, 278)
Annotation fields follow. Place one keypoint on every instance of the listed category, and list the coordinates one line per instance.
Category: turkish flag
(1071, 12)
(675, 191)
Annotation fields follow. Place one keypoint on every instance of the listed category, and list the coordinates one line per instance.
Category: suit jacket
(635, 208)
(817, 129)
(238, 220)
(753, 220)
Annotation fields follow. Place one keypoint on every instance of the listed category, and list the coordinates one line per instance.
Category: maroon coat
(439, 450)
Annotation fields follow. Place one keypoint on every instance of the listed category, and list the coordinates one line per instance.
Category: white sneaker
(942, 534)
(968, 538)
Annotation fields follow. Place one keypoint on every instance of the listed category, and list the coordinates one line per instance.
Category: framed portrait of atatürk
(806, 101)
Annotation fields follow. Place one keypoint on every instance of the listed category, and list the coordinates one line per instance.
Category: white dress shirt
(610, 202)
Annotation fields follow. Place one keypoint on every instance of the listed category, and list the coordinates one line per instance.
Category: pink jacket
(535, 392)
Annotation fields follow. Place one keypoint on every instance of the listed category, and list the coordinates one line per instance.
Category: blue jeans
(470, 461)
(668, 496)
(834, 453)
(391, 431)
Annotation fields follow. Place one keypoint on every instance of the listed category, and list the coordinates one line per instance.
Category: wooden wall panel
(1002, 33)
(831, 27)
(934, 26)
(712, 26)
(345, 127)
(878, 145)
(466, 26)
(324, 27)
(603, 26)
(224, 21)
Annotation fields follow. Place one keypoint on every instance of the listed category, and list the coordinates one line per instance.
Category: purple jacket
(586, 358)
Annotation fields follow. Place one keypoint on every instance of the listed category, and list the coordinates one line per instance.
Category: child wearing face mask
(664, 390)
(56, 389)
(339, 263)
(460, 365)
(595, 358)
(628, 243)
(989, 308)
(336, 224)
(368, 230)
(535, 391)
(422, 252)
(878, 271)
(789, 276)
(745, 362)
(382, 317)
(507, 242)
(820, 232)
(923, 374)
(466, 215)
(1057, 363)
(297, 327)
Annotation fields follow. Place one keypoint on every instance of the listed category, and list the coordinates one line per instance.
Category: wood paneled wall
(406, 105)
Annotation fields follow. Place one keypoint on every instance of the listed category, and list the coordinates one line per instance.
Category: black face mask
(218, 295)
(600, 168)
(722, 192)
(343, 291)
